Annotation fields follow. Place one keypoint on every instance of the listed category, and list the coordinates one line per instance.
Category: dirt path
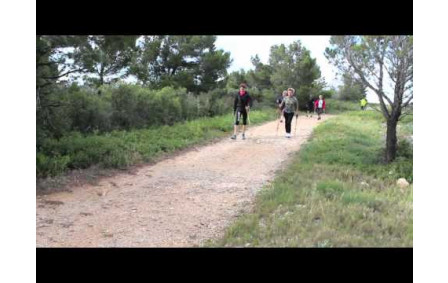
(177, 202)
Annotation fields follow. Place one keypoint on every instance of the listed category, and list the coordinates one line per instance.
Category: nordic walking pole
(297, 117)
(234, 121)
(278, 123)
(295, 129)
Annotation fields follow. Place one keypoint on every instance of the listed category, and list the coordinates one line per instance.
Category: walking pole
(295, 129)
(278, 120)
(278, 123)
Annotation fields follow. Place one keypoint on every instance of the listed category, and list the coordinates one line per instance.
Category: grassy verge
(335, 106)
(120, 149)
(337, 192)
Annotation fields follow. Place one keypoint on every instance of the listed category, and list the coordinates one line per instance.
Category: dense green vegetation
(121, 148)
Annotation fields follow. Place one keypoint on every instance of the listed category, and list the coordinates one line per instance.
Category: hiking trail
(178, 202)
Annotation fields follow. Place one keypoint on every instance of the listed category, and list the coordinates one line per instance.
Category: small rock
(66, 225)
(402, 183)
(364, 184)
(53, 202)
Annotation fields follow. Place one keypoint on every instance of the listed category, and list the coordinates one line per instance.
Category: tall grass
(337, 192)
(335, 106)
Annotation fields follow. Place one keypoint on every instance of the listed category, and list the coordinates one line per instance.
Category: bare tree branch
(407, 102)
(64, 74)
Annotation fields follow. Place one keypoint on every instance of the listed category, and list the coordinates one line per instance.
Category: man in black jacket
(241, 106)
(310, 107)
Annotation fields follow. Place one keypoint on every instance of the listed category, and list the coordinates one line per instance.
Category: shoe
(233, 137)
(244, 136)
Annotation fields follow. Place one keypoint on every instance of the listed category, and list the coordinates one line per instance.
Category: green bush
(404, 149)
(51, 166)
(117, 149)
(334, 106)
(124, 107)
(87, 111)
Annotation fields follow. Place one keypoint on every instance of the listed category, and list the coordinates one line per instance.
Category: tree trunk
(101, 75)
(391, 139)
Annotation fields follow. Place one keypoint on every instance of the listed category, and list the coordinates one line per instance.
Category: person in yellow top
(363, 103)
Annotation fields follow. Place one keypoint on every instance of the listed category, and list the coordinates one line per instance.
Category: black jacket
(279, 99)
(310, 104)
(241, 102)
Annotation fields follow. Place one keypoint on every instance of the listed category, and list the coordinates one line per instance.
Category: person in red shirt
(319, 106)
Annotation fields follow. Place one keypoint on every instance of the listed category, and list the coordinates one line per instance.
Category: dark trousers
(288, 120)
(319, 111)
(240, 114)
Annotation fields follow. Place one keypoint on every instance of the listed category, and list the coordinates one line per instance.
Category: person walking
(310, 107)
(241, 107)
(363, 103)
(291, 108)
(319, 106)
